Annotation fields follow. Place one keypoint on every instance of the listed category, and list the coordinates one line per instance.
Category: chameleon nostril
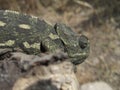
(83, 41)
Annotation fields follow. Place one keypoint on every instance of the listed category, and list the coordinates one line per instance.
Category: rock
(96, 86)
(20, 71)
(52, 77)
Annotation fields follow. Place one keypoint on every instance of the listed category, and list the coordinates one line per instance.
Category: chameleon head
(76, 46)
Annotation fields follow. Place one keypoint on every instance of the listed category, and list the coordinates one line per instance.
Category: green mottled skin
(33, 35)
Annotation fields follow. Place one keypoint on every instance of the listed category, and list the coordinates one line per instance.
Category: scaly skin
(34, 36)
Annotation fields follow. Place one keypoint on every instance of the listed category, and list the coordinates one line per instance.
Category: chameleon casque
(34, 36)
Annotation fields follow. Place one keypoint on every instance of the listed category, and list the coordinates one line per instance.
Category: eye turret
(83, 42)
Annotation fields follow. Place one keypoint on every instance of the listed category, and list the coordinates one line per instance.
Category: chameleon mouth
(79, 58)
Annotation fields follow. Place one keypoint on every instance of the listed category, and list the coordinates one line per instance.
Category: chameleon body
(33, 35)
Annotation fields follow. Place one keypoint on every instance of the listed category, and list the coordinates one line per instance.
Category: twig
(28, 61)
(82, 3)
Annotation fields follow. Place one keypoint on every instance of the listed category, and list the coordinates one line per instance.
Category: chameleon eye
(83, 41)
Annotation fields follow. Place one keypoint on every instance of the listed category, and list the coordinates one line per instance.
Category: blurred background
(99, 20)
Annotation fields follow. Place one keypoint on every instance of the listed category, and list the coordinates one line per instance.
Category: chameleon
(34, 36)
